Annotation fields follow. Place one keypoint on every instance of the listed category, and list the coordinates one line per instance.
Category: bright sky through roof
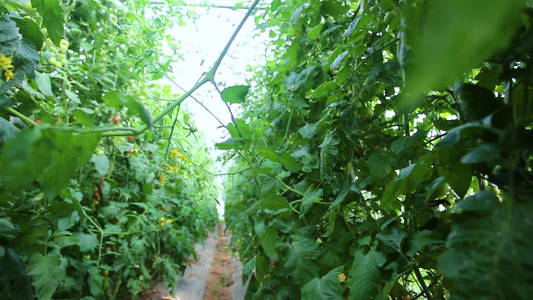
(203, 40)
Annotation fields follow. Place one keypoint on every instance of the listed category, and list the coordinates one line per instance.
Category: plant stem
(21, 116)
(422, 283)
(208, 77)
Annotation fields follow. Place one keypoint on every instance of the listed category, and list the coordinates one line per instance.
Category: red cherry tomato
(131, 138)
(130, 151)
(116, 119)
(38, 121)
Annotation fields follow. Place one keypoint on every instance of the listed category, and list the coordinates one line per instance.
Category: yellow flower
(5, 61)
(172, 169)
(169, 221)
(5, 64)
(175, 153)
(9, 75)
(162, 219)
(162, 178)
(342, 277)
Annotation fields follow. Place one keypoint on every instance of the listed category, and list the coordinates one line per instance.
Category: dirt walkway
(215, 276)
(220, 276)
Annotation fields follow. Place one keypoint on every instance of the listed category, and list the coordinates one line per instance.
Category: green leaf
(17, 279)
(48, 273)
(31, 236)
(115, 99)
(82, 117)
(304, 80)
(248, 267)
(336, 63)
(235, 94)
(488, 252)
(9, 36)
(420, 240)
(261, 267)
(379, 163)
(230, 143)
(365, 276)
(448, 39)
(44, 84)
(25, 56)
(50, 155)
(68, 154)
(30, 31)
(308, 131)
(101, 163)
(53, 18)
(300, 260)
(7, 131)
(87, 242)
(358, 22)
(268, 242)
(325, 88)
(275, 202)
(295, 16)
(457, 175)
(453, 136)
(23, 159)
(327, 287)
(315, 31)
(65, 238)
(393, 237)
(482, 202)
(310, 197)
(285, 159)
(328, 151)
(25, 60)
(59, 210)
(73, 97)
(408, 181)
(6, 102)
(481, 153)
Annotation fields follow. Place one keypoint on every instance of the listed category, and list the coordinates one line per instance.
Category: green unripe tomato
(29, 9)
(389, 17)
(52, 61)
(64, 43)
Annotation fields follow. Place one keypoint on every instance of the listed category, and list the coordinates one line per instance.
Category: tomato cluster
(56, 56)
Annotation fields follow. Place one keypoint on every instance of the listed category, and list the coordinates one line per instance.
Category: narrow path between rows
(220, 276)
(216, 275)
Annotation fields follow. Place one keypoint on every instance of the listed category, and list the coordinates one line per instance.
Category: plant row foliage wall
(386, 152)
(90, 207)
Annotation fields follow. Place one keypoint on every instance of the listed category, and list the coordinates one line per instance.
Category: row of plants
(105, 183)
(385, 152)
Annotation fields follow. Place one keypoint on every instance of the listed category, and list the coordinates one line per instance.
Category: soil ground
(216, 275)
(220, 276)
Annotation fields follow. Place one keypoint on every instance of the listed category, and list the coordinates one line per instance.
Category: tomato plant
(386, 140)
(80, 207)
